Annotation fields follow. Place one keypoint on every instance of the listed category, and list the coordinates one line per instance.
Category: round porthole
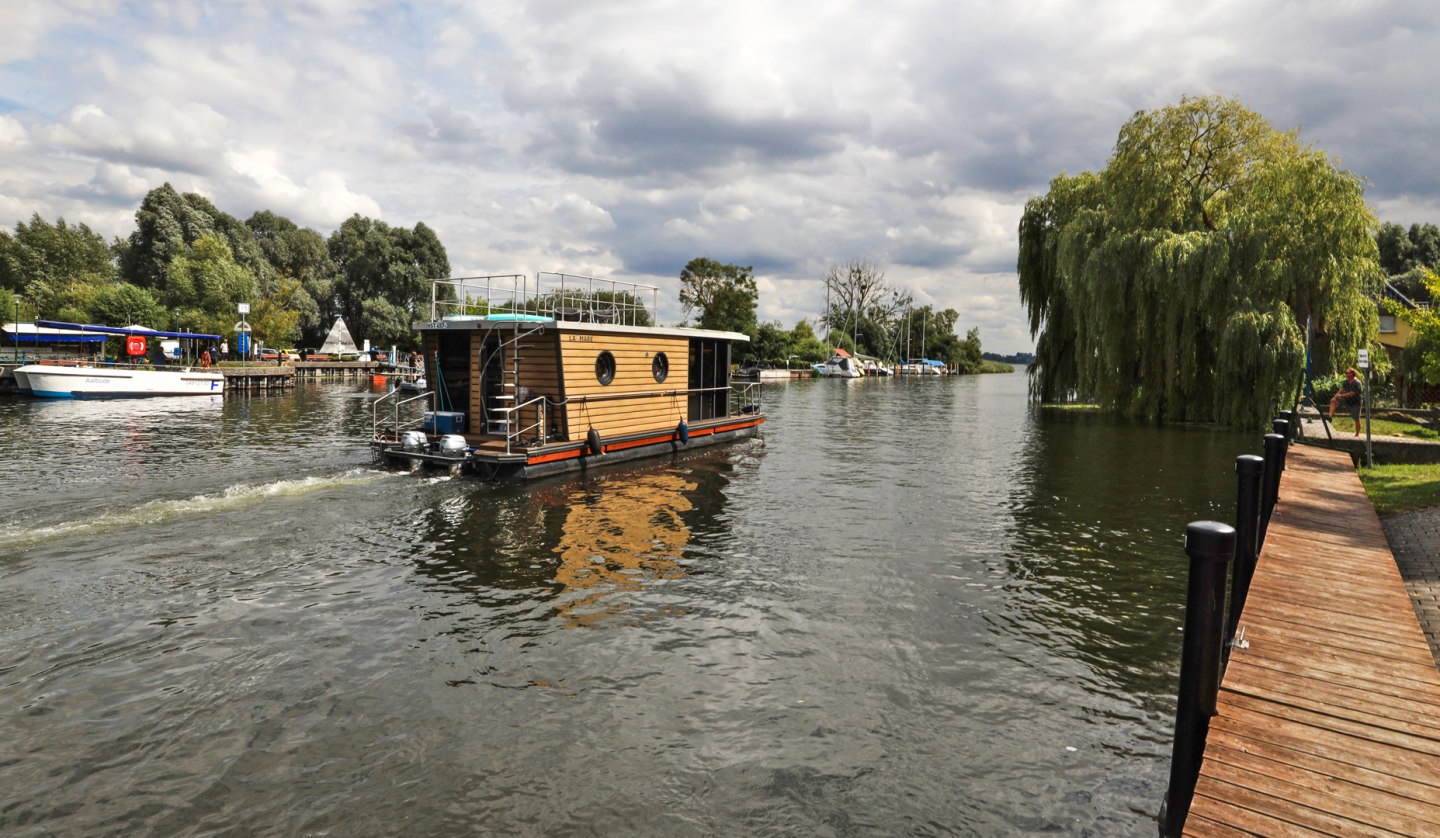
(660, 367)
(605, 367)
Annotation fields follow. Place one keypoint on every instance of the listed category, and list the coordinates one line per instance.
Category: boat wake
(166, 510)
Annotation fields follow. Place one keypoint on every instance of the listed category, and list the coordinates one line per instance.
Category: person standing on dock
(224, 350)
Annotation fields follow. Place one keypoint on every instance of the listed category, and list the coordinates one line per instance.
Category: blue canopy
(30, 333)
(126, 330)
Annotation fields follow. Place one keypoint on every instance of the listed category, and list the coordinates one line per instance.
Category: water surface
(912, 607)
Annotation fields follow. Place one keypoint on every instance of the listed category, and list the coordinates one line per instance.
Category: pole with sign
(1364, 361)
(242, 333)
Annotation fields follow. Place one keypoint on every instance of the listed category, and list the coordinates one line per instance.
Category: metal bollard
(1249, 468)
(1281, 427)
(1270, 484)
(1210, 546)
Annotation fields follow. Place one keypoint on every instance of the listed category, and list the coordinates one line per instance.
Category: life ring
(592, 443)
(682, 430)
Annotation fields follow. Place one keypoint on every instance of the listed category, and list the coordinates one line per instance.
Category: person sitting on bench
(1348, 399)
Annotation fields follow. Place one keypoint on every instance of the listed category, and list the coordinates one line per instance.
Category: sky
(623, 139)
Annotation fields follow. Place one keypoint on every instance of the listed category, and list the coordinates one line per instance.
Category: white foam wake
(165, 510)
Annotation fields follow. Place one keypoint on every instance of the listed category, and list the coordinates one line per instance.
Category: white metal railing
(415, 419)
(564, 297)
(514, 432)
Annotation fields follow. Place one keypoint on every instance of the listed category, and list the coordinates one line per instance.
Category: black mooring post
(1270, 488)
(1210, 546)
(1282, 427)
(1249, 468)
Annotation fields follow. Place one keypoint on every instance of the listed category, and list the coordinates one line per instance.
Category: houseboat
(534, 376)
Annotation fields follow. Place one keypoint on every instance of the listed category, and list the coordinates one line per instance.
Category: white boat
(91, 380)
(922, 366)
(105, 382)
(840, 365)
(22, 381)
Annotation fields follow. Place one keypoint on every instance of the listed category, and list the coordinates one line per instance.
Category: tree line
(863, 313)
(187, 264)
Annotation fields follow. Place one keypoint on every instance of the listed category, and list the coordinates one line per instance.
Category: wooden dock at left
(1328, 716)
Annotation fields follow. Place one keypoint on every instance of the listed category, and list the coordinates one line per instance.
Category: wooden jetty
(1328, 715)
(252, 379)
(268, 377)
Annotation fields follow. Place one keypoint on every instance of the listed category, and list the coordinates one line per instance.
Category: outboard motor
(413, 441)
(453, 445)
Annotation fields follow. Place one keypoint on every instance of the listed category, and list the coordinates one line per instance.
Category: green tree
(725, 295)
(275, 318)
(203, 283)
(926, 333)
(1395, 249)
(378, 262)
(1424, 246)
(56, 254)
(770, 345)
(168, 222)
(123, 304)
(861, 304)
(806, 346)
(58, 268)
(301, 254)
(968, 357)
(1426, 322)
(1176, 283)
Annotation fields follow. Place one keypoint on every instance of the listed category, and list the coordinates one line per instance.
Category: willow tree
(1177, 282)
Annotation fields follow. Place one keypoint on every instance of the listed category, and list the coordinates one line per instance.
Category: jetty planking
(1328, 717)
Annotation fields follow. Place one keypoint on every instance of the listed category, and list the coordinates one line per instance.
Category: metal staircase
(513, 398)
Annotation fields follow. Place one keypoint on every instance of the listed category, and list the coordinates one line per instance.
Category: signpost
(242, 332)
(1364, 362)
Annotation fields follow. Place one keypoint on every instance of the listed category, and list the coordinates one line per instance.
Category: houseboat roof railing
(477, 295)
(591, 299)
(557, 296)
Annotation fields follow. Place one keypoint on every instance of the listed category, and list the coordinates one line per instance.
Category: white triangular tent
(338, 341)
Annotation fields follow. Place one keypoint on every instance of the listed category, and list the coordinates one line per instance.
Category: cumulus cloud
(627, 138)
(186, 137)
(12, 133)
(321, 199)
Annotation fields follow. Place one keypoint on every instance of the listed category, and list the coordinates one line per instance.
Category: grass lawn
(1402, 488)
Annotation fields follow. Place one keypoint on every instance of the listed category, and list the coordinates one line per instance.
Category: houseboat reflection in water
(622, 536)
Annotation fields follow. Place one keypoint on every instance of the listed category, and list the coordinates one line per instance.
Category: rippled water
(913, 607)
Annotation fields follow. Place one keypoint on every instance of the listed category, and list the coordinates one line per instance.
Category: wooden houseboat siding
(540, 376)
(603, 406)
